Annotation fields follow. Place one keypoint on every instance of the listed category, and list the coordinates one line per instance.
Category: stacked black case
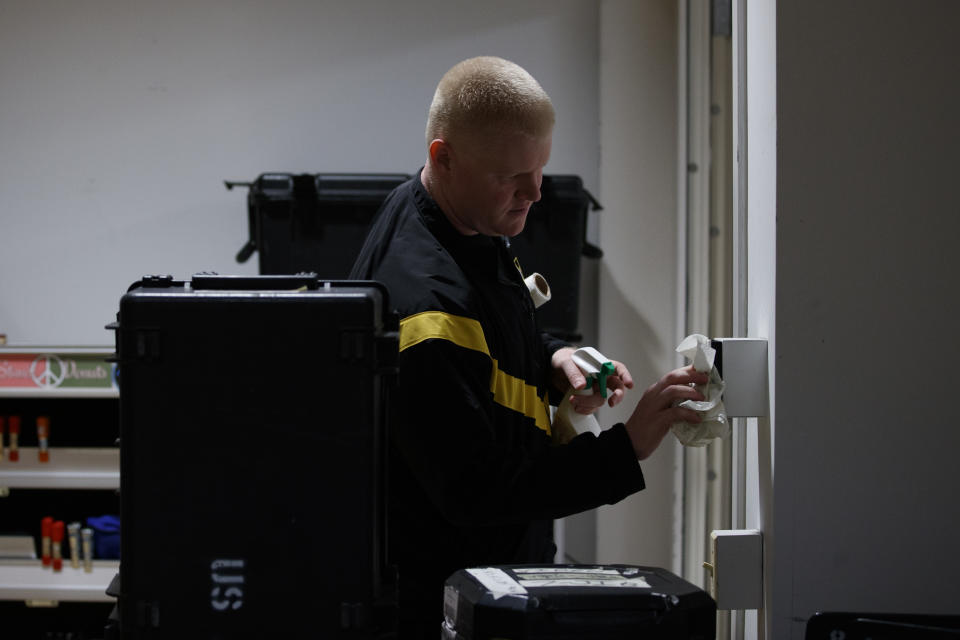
(318, 223)
(252, 457)
(312, 222)
(572, 602)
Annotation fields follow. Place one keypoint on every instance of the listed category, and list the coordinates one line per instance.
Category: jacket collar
(479, 253)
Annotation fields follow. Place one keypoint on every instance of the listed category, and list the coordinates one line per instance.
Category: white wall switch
(742, 363)
(736, 568)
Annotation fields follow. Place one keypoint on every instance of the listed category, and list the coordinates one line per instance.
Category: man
(475, 476)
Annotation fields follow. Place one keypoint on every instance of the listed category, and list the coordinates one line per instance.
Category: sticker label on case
(578, 577)
(497, 582)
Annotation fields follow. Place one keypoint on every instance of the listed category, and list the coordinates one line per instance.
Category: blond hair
(484, 93)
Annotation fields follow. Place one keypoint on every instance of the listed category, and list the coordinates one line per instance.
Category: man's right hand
(655, 412)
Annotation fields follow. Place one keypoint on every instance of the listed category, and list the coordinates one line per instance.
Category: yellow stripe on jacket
(508, 391)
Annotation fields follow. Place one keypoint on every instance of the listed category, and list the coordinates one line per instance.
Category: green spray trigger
(595, 367)
(605, 370)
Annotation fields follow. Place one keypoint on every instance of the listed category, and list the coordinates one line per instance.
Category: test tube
(58, 545)
(43, 435)
(14, 438)
(86, 536)
(73, 536)
(46, 531)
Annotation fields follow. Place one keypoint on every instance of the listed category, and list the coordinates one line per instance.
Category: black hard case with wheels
(572, 602)
(252, 457)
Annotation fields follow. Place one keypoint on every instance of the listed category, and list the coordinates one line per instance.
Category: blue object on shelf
(106, 536)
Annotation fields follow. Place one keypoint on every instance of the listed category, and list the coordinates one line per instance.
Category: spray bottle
(567, 423)
(595, 367)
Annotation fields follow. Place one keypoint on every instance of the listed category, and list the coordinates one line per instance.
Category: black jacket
(474, 477)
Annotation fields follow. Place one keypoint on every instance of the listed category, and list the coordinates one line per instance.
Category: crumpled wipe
(697, 348)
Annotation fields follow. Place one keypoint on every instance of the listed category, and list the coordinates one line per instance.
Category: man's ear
(441, 155)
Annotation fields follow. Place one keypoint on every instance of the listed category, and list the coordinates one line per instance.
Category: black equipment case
(318, 222)
(252, 457)
(312, 222)
(572, 602)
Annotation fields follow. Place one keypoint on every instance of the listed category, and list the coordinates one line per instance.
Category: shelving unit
(81, 476)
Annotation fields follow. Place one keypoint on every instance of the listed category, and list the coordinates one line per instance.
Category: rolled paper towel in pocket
(538, 288)
(714, 424)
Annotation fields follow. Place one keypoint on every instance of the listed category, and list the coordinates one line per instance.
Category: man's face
(493, 181)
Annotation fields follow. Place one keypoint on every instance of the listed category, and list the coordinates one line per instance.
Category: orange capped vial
(43, 436)
(14, 438)
(58, 545)
(46, 533)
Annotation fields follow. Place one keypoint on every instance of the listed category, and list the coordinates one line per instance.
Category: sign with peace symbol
(47, 371)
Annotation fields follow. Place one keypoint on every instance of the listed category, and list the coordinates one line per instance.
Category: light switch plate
(742, 363)
(736, 568)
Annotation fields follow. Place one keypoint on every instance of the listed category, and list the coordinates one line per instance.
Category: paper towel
(697, 349)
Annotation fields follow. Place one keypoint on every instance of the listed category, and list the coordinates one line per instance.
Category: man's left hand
(567, 374)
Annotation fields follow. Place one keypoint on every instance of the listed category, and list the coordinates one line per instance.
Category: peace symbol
(52, 372)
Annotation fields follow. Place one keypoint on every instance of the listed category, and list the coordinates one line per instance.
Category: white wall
(865, 510)
(119, 121)
(638, 232)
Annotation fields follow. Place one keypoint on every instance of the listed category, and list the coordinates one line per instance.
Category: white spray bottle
(595, 367)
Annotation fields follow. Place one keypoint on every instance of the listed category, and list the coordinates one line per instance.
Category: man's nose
(530, 188)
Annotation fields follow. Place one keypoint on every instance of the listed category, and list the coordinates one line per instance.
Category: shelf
(69, 468)
(59, 393)
(28, 580)
(62, 350)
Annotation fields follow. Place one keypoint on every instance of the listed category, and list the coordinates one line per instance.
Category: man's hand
(567, 374)
(656, 413)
